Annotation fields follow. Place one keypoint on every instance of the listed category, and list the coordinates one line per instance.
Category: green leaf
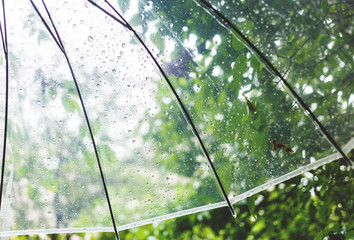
(260, 143)
(237, 44)
(42, 35)
(321, 234)
(135, 20)
(83, 130)
(96, 126)
(240, 67)
(224, 169)
(351, 221)
(124, 5)
(245, 27)
(158, 41)
(251, 204)
(349, 235)
(319, 70)
(70, 87)
(107, 153)
(222, 97)
(53, 92)
(70, 104)
(235, 124)
(335, 228)
(255, 63)
(324, 5)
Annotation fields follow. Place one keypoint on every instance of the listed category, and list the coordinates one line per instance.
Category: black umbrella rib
(55, 29)
(4, 32)
(48, 28)
(61, 46)
(298, 98)
(195, 131)
(4, 43)
(109, 14)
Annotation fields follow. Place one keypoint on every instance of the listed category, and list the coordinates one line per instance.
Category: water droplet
(197, 87)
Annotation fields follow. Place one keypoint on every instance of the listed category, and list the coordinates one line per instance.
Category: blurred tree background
(316, 205)
(310, 42)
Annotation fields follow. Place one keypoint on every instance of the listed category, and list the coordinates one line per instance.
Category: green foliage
(70, 104)
(291, 210)
(324, 5)
(239, 69)
(238, 44)
(315, 205)
(312, 206)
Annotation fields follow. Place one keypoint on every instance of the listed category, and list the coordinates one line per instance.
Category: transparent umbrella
(120, 114)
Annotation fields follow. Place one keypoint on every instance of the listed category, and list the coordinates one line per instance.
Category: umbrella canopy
(120, 114)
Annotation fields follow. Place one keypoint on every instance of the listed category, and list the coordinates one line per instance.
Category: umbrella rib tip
(234, 213)
(232, 210)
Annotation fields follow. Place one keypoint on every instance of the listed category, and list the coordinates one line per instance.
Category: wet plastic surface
(254, 131)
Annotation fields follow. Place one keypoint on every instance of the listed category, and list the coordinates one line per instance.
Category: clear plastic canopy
(210, 101)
